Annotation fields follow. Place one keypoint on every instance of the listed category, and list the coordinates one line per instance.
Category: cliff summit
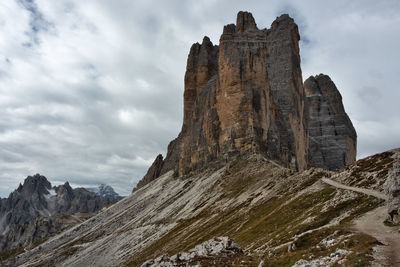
(246, 95)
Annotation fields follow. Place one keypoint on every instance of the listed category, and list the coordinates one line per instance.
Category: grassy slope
(260, 225)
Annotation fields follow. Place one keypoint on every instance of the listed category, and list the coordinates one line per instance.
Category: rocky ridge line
(36, 210)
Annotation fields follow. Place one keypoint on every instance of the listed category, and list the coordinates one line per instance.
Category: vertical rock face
(247, 96)
(286, 83)
(250, 104)
(197, 142)
(331, 135)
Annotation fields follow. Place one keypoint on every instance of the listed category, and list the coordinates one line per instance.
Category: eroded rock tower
(246, 95)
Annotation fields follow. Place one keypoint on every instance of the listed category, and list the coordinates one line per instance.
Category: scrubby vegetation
(293, 209)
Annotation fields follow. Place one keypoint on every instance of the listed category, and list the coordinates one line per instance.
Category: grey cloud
(37, 21)
(100, 92)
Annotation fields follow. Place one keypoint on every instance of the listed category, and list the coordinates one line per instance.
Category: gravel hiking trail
(371, 223)
(355, 189)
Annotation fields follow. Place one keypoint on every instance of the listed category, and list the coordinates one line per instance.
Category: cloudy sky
(91, 91)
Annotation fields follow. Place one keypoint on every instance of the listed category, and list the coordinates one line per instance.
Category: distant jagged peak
(35, 201)
(36, 183)
(105, 190)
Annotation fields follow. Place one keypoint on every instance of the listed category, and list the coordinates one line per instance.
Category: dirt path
(371, 223)
(355, 189)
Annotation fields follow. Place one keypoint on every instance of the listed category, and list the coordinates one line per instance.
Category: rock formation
(153, 172)
(105, 191)
(220, 251)
(246, 95)
(36, 210)
(331, 135)
(392, 189)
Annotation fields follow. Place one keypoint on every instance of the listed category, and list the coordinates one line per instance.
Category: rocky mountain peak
(106, 191)
(246, 96)
(206, 41)
(331, 135)
(65, 191)
(31, 211)
(27, 197)
(36, 183)
(283, 19)
(245, 22)
(320, 84)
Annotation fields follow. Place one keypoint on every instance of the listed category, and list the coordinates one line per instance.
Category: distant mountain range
(105, 191)
(36, 210)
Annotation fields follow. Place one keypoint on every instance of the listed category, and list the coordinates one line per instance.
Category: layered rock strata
(331, 135)
(246, 95)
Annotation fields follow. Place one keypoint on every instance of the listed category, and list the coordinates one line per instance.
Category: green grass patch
(273, 221)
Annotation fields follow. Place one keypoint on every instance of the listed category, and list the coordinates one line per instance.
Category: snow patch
(51, 193)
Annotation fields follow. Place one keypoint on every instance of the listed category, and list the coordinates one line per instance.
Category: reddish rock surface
(247, 96)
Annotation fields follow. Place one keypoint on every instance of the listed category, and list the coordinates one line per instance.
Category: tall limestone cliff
(259, 91)
(246, 95)
(331, 135)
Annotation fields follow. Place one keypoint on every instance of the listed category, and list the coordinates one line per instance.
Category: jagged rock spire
(245, 21)
(246, 95)
(332, 139)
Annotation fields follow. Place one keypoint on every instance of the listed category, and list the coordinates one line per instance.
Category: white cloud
(95, 92)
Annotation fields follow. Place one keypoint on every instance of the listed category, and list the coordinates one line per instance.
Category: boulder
(392, 189)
